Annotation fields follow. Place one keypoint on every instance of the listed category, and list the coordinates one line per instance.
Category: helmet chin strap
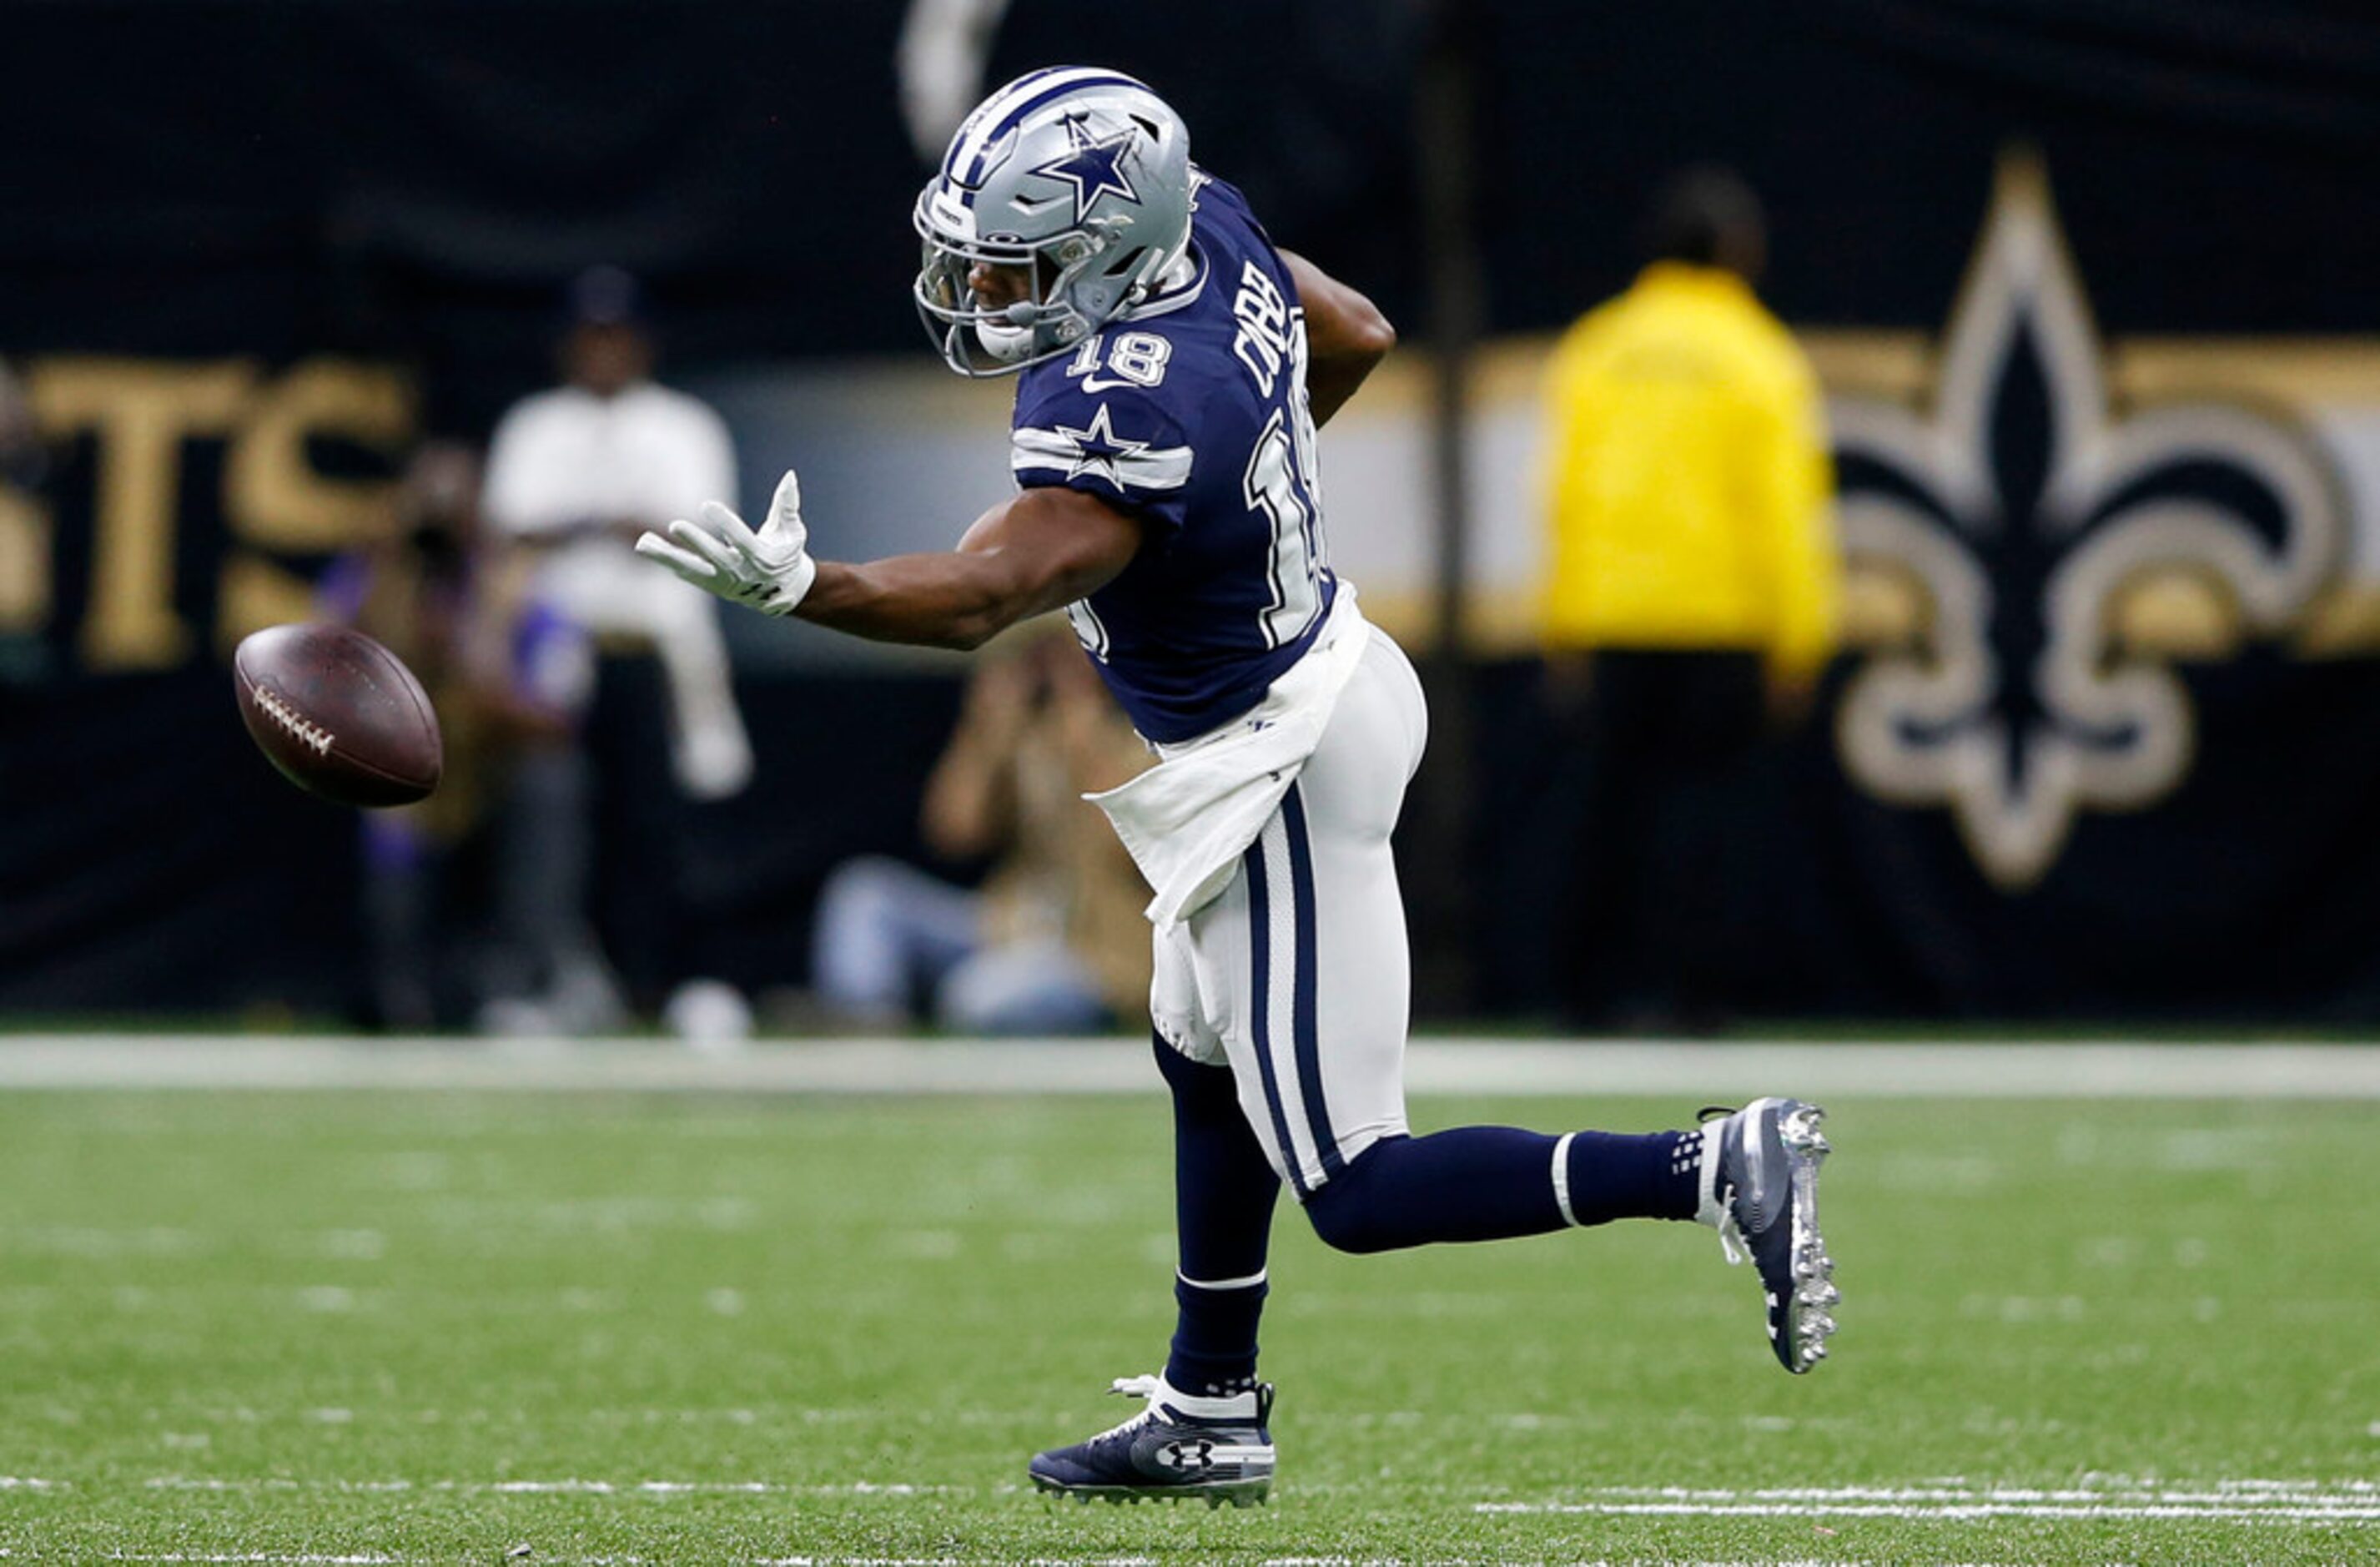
(1006, 344)
(1177, 275)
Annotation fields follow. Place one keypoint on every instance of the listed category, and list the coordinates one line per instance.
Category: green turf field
(288, 1327)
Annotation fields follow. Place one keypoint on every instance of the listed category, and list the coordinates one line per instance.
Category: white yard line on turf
(2349, 1501)
(554, 1488)
(293, 1560)
(350, 1560)
(2353, 1501)
(2029, 1070)
(314, 1559)
(1948, 1514)
(310, 1559)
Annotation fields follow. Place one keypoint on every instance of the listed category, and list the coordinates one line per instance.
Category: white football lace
(1134, 1387)
(1718, 1206)
(1731, 1239)
(282, 713)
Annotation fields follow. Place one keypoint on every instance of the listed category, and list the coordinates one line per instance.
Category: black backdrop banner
(252, 248)
(413, 181)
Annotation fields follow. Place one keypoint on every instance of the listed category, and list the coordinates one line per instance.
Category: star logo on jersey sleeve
(1098, 451)
(1091, 167)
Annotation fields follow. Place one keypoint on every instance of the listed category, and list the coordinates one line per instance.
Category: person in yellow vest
(1692, 594)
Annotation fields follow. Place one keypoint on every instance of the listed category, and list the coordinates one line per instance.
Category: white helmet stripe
(968, 143)
(999, 114)
(976, 136)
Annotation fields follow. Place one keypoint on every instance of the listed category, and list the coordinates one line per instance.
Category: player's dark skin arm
(1346, 337)
(1044, 549)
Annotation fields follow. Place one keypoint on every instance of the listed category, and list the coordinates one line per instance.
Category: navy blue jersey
(1191, 414)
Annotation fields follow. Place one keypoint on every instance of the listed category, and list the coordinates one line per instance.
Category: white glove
(769, 571)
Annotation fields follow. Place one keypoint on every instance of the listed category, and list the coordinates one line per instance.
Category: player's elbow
(1357, 343)
(965, 633)
(996, 597)
(1360, 331)
(997, 608)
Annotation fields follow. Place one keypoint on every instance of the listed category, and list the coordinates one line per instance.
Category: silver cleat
(1760, 1191)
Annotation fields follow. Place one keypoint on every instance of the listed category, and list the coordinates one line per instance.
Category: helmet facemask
(981, 338)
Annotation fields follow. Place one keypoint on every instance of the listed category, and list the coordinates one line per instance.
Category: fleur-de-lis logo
(2022, 505)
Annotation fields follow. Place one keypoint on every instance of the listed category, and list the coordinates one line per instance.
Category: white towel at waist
(1186, 820)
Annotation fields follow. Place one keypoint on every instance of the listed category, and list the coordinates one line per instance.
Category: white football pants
(1297, 974)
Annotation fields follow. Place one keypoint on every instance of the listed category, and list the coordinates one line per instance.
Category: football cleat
(1760, 1191)
(1176, 1449)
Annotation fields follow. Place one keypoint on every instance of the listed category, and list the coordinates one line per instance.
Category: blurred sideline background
(2085, 757)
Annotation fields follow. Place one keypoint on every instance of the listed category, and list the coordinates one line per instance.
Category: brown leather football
(339, 714)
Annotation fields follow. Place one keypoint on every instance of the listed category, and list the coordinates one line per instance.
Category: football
(339, 714)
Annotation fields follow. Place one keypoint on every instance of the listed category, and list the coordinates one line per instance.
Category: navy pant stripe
(1308, 1032)
(1260, 1002)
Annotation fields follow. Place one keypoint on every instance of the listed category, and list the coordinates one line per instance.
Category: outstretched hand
(768, 570)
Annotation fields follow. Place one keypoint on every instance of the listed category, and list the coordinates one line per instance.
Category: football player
(1171, 365)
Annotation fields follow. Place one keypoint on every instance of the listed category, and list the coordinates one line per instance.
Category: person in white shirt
(573, 474)
(579, 471)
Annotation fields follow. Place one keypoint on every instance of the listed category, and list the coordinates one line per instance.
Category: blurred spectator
(939, 62)
(21, 443)
(573, 475)
(1054, 942)
(577, 472)
(509, 677)
(1693, 590)
(25, 571)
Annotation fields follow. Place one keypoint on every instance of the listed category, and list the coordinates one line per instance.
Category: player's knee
(1345, 1223)
(859, 890)
(1346, 1212)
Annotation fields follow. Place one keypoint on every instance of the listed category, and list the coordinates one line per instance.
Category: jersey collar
(1172, 297)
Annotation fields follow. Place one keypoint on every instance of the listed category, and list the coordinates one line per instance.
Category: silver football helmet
(1072, 187)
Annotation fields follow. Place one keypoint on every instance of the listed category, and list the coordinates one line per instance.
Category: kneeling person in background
(1053, 942)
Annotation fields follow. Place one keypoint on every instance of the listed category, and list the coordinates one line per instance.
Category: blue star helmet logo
(1090, 166)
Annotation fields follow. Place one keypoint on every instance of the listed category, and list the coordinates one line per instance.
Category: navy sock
(1615, 1175)
(1224, 1192)
(1214, 1339)
(1491, 1183)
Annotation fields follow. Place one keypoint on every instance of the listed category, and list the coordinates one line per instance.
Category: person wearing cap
(573, 475)
(579, 471)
